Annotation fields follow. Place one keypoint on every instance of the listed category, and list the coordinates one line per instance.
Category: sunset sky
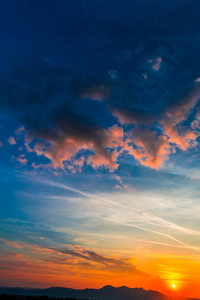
(100, 144)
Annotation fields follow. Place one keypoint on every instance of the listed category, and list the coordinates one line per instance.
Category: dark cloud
(53, 128)
(93, 88)
(133, 116)
(94, 55)
(47, 107)
(65, 133)
(103, 262)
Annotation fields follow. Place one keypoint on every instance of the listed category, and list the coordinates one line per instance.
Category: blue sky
(99, 136)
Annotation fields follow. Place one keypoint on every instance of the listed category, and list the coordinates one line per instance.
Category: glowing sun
(173, 285)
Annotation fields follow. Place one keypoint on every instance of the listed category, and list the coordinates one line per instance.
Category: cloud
(195, 125)
(57, 124)
(19, 131)
(11, 140)
(72, 255)
(118, 187)
(11, 243)
(132, 116)
(51, 125)
(98, 261)
(155, 63)
(114, 75)
(178, 112)
(93, 89)
(99, 92)
(151, 148)
(70, 134)
(22, 160)
(153, 231)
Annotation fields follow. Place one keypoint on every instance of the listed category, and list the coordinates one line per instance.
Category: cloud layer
(98, 101)
(55, 127)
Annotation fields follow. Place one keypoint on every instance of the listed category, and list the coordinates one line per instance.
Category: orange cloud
(42, 266)
(73, 141)
(11, 243)
(62, 150)
(152, 149)
(175, 114)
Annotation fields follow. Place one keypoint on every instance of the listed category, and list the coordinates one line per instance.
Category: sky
(99, 144)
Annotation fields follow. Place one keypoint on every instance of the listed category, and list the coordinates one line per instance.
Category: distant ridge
(107, 292)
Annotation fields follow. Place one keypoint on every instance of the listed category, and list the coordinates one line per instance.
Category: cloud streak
(152, 231)
(74, 255)
(145, 217)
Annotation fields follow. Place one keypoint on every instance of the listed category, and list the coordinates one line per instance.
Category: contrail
(66, 187)
(150, 217)
(163, 244)
(152, 231)
(170, 224)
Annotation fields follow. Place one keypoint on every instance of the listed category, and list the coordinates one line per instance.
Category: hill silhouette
(105, 293)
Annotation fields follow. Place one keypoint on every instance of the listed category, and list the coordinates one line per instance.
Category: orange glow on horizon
(166, 274)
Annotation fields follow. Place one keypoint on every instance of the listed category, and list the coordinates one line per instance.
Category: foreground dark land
(17, 297)
(105, 293)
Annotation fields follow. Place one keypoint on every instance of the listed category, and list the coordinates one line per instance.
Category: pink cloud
(22, 160)
(98, 161)
(182, 140)
(118, 178)
(62, 151)
(73, 142)
(19, 131)
(155, 63)
(11, 140)
(115, 136)
(152, 149)
(178, 112)
(181, 109)
(12, 244)
(118, 187)
(195, 125)
(114, 141)
(76, 165)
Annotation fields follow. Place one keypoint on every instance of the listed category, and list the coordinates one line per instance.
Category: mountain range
(106, 293)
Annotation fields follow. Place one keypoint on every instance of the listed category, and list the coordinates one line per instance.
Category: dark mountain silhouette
(106, 293)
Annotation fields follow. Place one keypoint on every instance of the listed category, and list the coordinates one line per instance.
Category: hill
(105, 293)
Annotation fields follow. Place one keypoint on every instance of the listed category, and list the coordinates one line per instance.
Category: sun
(174, 286)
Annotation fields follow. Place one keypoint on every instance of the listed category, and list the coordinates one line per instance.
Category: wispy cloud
(152, 231)
(145, 216)
(104, 262)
